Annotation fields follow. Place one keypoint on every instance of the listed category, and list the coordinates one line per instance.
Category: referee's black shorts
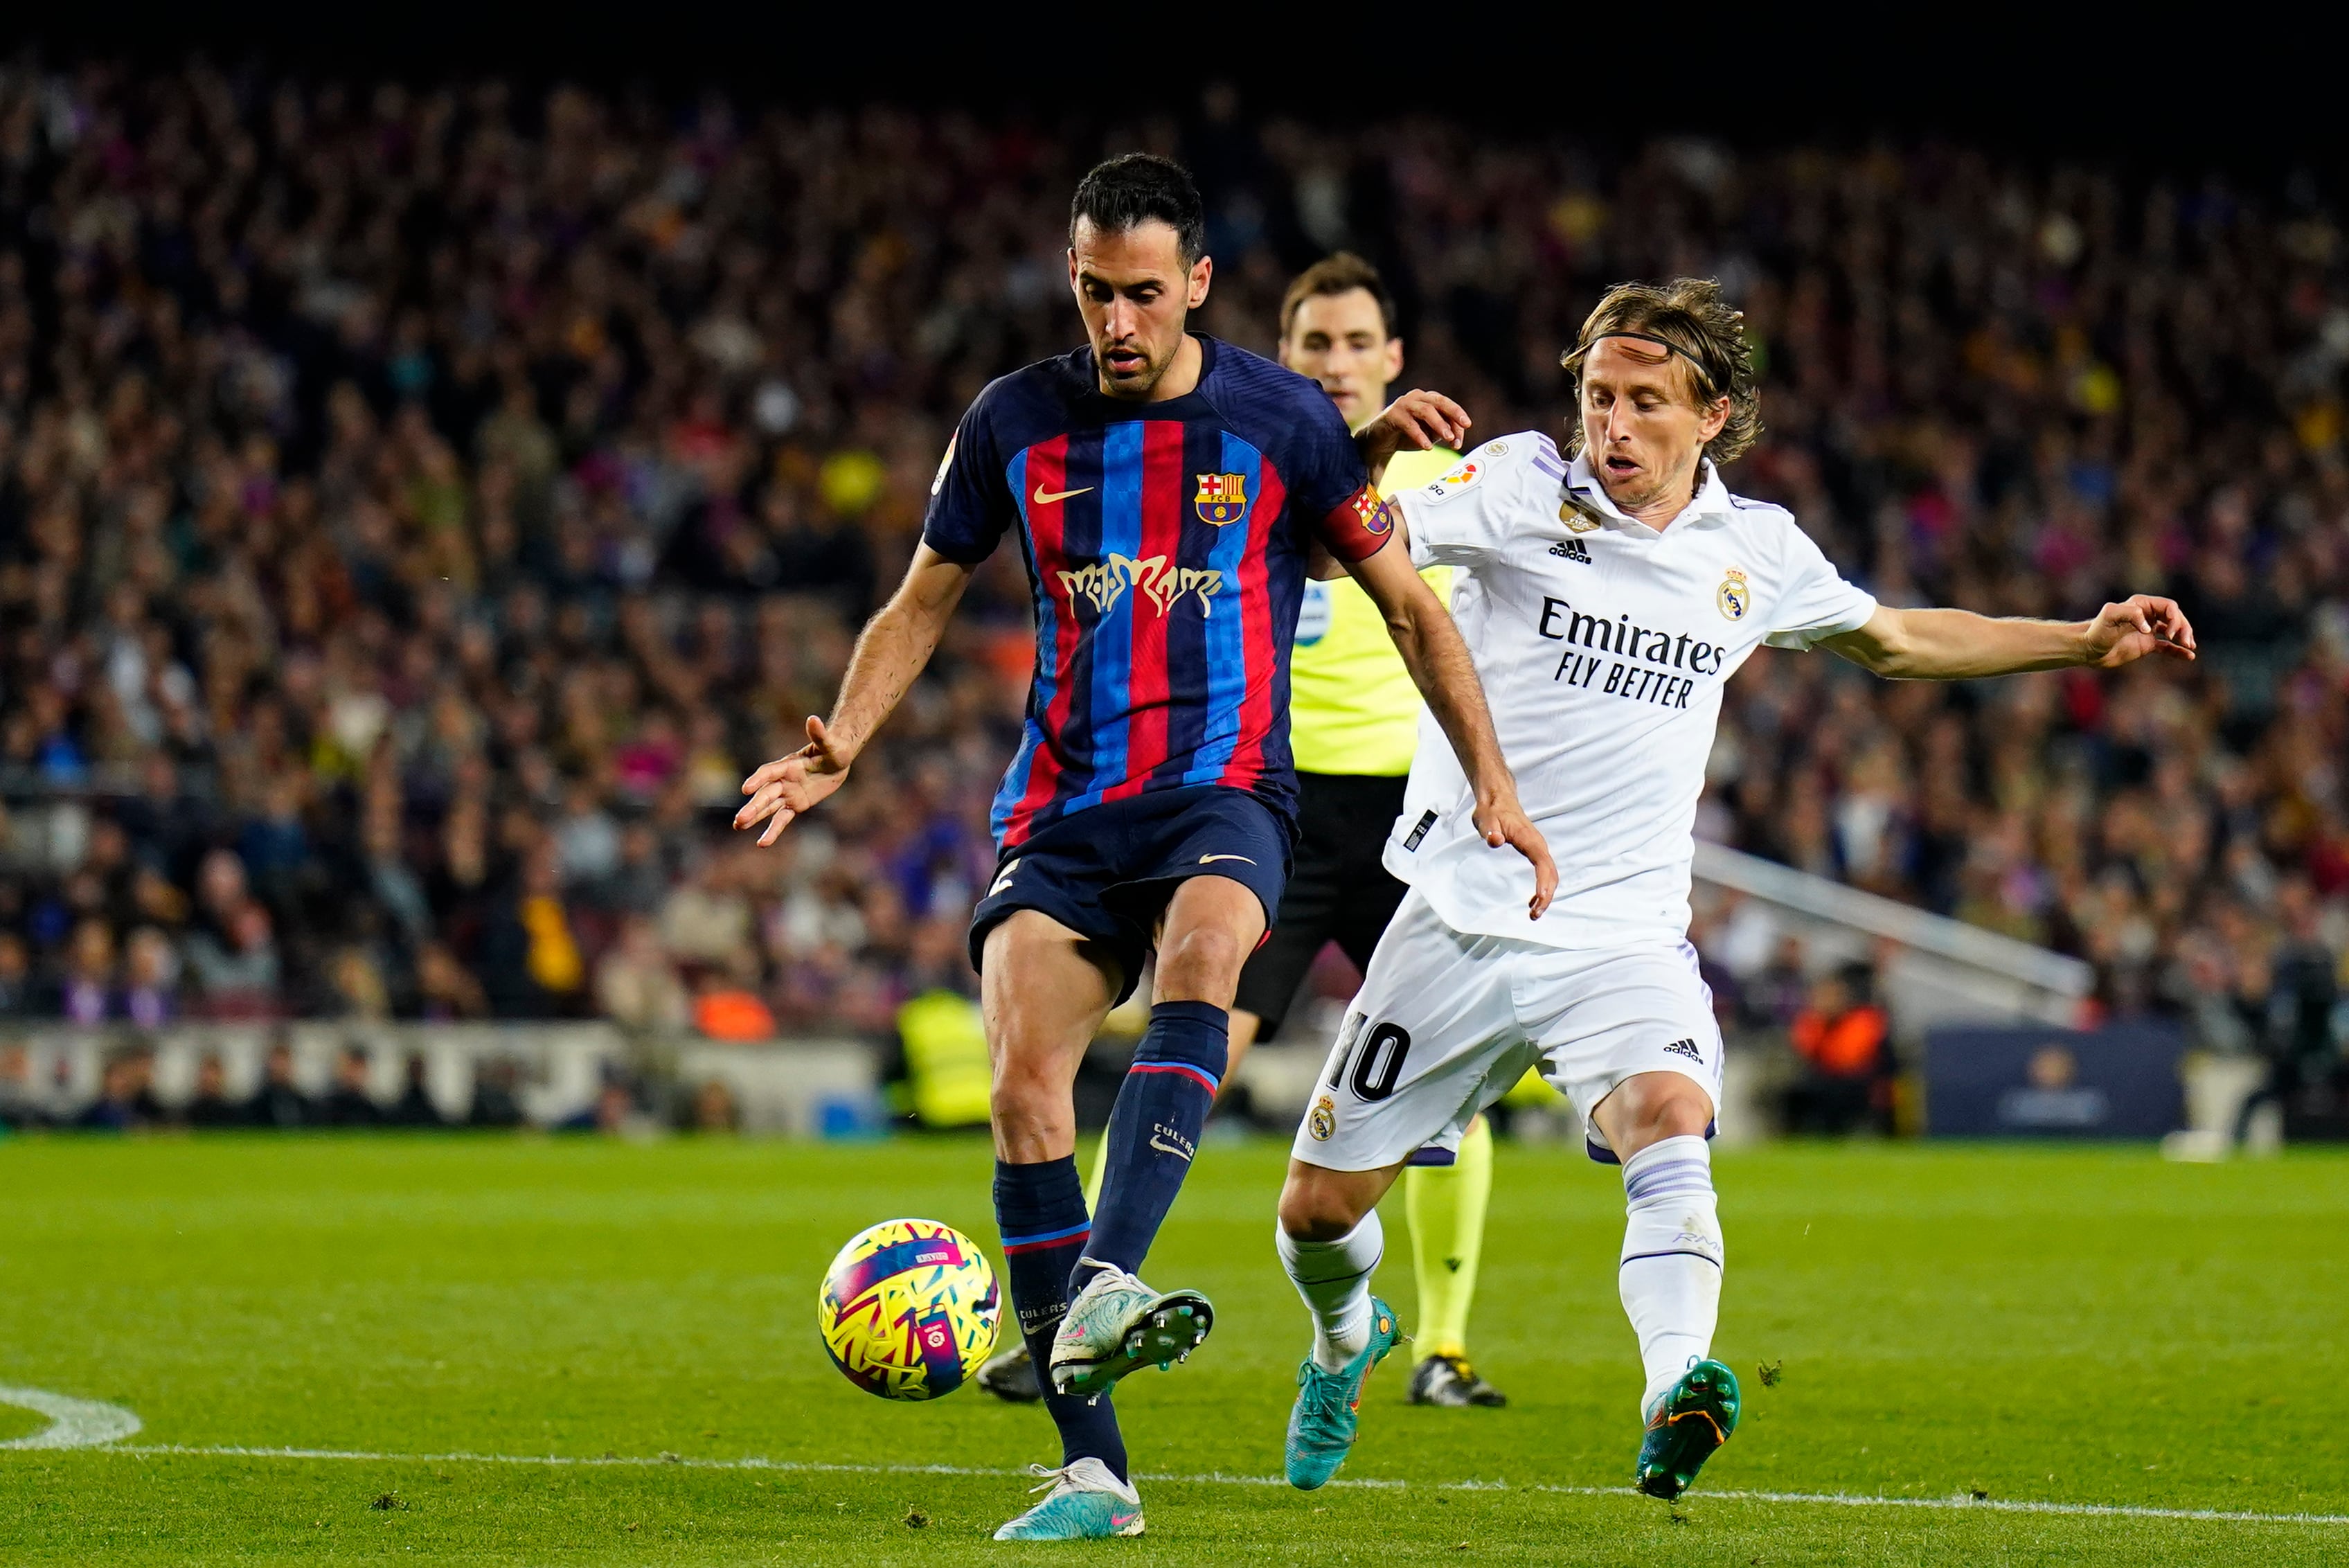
(1338, 890)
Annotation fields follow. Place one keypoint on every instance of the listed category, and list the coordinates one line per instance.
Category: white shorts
(1445, 1023)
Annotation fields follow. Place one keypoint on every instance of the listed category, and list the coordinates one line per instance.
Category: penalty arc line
(1960, 1504)
(73, 1423)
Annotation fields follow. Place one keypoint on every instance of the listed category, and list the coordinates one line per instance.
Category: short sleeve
(1814, 602)
(1458, 518)
(971, 504)
(1329, 489)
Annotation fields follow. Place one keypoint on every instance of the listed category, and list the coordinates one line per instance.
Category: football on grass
(908, 1309)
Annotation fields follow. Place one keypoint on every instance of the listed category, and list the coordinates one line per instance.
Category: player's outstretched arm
(1439, 663)
(1958, 644)
(891, 650)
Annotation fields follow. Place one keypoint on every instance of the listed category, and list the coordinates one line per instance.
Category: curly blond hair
(1688, 316)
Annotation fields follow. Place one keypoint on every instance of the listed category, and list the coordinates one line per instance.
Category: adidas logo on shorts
(1685, 1048)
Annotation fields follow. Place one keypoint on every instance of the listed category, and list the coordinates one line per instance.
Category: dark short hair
(1131, 190)
(1689, 318)
(1342, 273)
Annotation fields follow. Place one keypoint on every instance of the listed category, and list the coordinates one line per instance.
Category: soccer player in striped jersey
(1170, 493)
(1354, 726)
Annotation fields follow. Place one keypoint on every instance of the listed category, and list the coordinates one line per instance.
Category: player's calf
(1331, 1241)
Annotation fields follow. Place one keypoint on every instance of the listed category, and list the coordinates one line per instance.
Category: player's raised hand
(790, 785)
(1504, 821)
(1417, 420)
(2141, 624)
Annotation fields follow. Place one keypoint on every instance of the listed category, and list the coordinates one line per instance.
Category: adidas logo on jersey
(1685, 1048)
(1571, 550)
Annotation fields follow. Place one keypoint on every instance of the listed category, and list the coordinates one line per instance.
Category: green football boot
(1691, 1419)
(1328, 1412)
(1117, 1324)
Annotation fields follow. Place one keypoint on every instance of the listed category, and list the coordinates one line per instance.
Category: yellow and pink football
(909, 1309)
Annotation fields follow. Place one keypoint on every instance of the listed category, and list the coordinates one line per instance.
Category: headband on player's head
(1703, 376)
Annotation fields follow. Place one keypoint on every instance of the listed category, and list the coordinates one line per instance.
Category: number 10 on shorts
(1378, 1065)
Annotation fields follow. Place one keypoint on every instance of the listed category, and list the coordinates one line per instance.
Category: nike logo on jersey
(1205, 859)
(1044, 497)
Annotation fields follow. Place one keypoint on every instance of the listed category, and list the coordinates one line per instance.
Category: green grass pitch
(2083, 1326)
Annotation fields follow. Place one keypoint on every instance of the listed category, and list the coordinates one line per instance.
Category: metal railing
(1939, 970)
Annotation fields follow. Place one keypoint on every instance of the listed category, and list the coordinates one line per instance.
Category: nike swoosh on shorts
(1204, 859)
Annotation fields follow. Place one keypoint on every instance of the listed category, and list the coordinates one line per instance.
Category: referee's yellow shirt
(1353, 708)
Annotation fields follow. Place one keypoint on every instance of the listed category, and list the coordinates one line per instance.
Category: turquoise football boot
(1691, 1419)
(1088, 1503)
(1323, 1421)
(1117, 1324)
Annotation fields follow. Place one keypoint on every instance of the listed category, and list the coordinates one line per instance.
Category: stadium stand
(417, 508)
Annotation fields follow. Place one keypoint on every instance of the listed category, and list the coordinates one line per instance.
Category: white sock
(1334, 1278)
(1670, 1273)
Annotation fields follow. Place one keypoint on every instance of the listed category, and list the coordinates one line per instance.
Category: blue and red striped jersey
(1167, 546)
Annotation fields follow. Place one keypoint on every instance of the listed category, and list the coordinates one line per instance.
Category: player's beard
(1138, 386)
(1680, 486)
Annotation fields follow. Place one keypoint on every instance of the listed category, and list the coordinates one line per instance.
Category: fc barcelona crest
(1222, 498)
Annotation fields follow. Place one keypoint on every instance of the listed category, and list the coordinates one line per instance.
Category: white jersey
(1603, 645)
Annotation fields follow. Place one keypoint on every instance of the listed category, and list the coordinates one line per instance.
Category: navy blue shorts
(1108, 871)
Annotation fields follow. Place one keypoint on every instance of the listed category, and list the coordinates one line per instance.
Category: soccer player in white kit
(1606, 593)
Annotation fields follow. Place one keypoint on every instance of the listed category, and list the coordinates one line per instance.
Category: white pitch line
(73, 1423)
(1961, 1503)
(1958, 1504)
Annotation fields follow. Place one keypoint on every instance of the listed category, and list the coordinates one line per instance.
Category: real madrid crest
(1734, 596)
(1323, 1123)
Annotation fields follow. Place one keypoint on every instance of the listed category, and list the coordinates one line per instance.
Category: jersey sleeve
(1815, 602)
(1329, 489)
(1460, 517)
(970, 502)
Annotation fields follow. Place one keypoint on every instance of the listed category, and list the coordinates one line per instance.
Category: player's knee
(1026, 1098)
(1202, 964)
(1312, 1210)
(1659, 1106)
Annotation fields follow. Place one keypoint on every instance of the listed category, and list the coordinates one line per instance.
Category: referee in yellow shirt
(1353, 722)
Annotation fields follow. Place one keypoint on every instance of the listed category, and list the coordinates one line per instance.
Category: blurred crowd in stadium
(419, 508)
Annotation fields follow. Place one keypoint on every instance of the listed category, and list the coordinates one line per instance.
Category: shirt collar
(1582, 483)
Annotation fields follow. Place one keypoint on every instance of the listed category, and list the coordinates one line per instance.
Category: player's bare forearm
(895, 647)
(1958, 644)
(891, 650)
(1446, 675)
(1440, 666)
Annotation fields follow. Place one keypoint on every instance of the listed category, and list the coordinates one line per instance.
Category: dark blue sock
(1155, 1129)
(1039, 1211)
